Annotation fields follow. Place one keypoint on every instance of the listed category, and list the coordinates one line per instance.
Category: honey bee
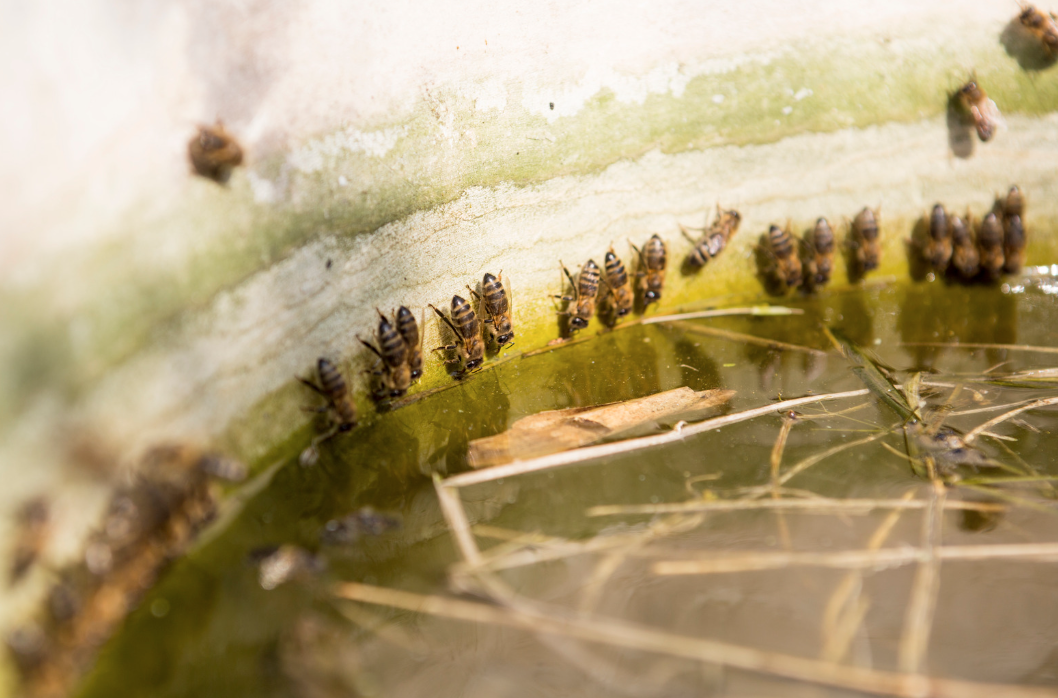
(863, 243)
(778, 260)
(714, 238)
(363, 522)
(1013, 245)
(938, 248)
(494, 301)
(469, 346)
(619, 296)
(1011, 205)
(32, 527)
(990, 246)
(339, 407)
(818, 255)
(214, 152)
(965, 261)
(585, 289)
(1041, 26)
(409, 330)
(982, 110)
(393, 352)
(650, 273)
(285, 563)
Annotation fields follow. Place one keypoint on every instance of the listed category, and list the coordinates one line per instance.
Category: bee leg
(449, 347)
(312, 385)
(315, 410)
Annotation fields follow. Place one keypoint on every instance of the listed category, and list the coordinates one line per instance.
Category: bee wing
(506, 281)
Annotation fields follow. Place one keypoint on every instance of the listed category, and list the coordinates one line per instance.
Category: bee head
(578, 323)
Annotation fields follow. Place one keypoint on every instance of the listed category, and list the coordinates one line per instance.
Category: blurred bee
(965, 261)
(619, 297)
(393, 352)
(1041, 26)
(714, 238)
(285, 563)
(862, 242)
(982, 110)
(937, 252)
(494, 300)
(339, 408)
(214, 152)
(363, 522)
(990, 246)
(1013, 245)
(650, 274)
(778, 260)
(585, 290)
(1013, 204)
(32, 528)
(409, 330)
(469, 346)
(817, 253)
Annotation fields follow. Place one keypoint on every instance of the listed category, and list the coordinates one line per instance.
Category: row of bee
(947, 243)
(148, 522)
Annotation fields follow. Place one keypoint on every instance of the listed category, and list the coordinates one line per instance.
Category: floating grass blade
(873, 375)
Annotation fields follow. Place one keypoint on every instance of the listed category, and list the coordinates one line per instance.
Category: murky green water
(208, 628)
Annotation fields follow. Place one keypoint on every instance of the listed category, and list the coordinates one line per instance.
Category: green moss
(131, 297)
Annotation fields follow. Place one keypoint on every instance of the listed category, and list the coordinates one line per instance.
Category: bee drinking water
(865, 252)
(469, 346)
(494, 300)
(409, 330)
(990, 246)
(817, 253)
(339, 408)
(619, 297)
(714, 238)
(650, 274)
(965, 261)
(585, 290)
(778, 260)
(393, 352)
(937, 252)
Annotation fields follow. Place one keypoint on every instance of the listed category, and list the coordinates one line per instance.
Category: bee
(863, 242)
(409, 330)
(1013, 245)
(32, 528)
(1011, 205)
(990, 246)
(650, 273)
(497, 308)
(332, 387)
(585, 289)
(779, 261)
(214, 152)
(363, 522)
(469, 347)
(393, 352)
(285, 563)
(964, 258)
(714, 239)
(982, 110)
(619, 297)
(938, 247)
(818, 255)
(1041, 26)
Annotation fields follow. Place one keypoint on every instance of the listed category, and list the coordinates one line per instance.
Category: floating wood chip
(562, 430)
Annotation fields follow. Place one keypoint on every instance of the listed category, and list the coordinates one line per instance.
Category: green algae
(130, 300)
(207, 627)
